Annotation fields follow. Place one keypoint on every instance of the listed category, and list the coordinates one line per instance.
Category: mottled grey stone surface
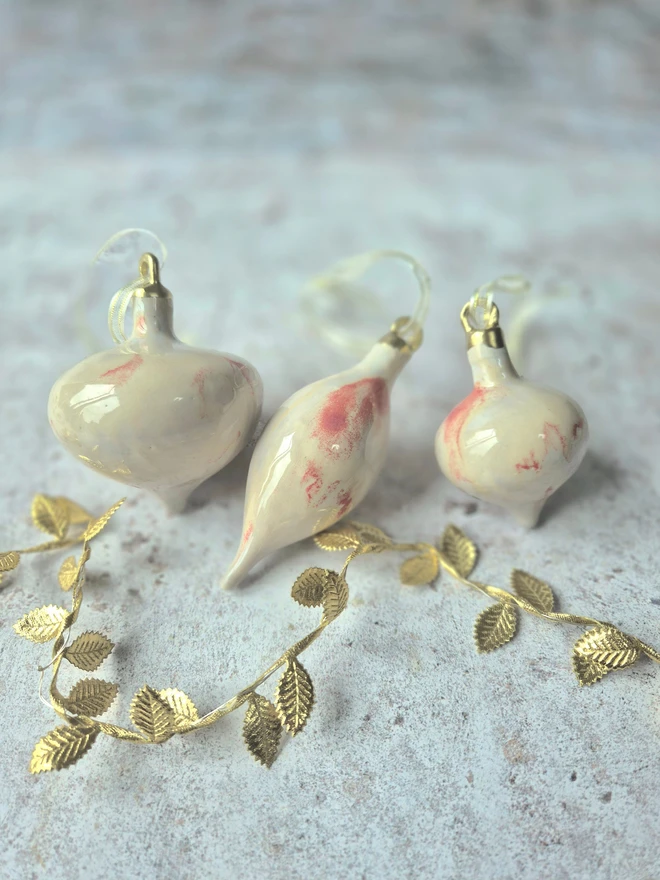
(263, 141)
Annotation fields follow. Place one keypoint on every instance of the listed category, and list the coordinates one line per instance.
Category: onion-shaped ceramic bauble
(510, 441)
(321, 453)
(153, 412)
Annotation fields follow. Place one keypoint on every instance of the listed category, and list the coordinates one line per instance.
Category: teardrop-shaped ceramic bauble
(510, 442)
(153, 412)
(320, 454)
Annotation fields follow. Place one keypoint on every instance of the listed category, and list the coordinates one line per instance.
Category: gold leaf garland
(9, 561)
(342, 538)
(420, 570)
(294, 696)
(88, 651)
(51, 515)
(97, 525)
(152, 714)
(335, 596)
(42, 624)
(457, 550)
(183, 709)
(602, 649)
(62, 747)
(68, 573)
(161, 714)
(369, 534)
(308, 588)
(262, 729)
(76, 513)
(495, 626)
(532, 590)
(91, 696)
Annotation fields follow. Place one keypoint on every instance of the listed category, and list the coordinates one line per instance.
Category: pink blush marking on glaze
(199, 378)
(244, 370)
(247, 534)
(529, 463)
(345, 499)
(314, 480)
(198, 381)
(328, 492)
(120, 375)
(333, 418)
(552, 436)
(454, 424)
(141, 326)
(347, 415)
(552, 439)
(379, 394)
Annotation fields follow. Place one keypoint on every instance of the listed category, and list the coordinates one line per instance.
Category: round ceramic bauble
(510, 442)
(153, 412)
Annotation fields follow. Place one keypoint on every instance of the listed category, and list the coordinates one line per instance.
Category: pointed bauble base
(527, 515)
(175, 498)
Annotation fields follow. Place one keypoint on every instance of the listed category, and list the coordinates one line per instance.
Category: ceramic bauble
(320, 454)
(153, 412)
(511, 442)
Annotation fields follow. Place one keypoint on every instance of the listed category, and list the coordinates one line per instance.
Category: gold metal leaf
(50, 515)
(262, 729)
(603, 647)
(42, 624)
(612, 648)
(343, 537)
(151, 714)
(588, 670)
(89, 650)
(369, 534)
(459, 550)
(91, 696)
(419, 570)
(9, 561)
(182, 706)
(99, 524)
(335, 596)
(71, 570)
(495, 626)
(294, 696)
(62, 747)
(309, 586)
(68, 573)
(77, 514)
(532, 590)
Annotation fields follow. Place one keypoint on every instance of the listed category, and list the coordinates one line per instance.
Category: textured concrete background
(263, 141)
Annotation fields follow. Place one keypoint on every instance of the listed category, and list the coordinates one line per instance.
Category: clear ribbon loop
(339, 285)
(481, 302)
(110, 253)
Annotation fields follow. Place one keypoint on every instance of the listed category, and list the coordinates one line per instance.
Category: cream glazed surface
(318, 457)
(156, 413)
(511, 442)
